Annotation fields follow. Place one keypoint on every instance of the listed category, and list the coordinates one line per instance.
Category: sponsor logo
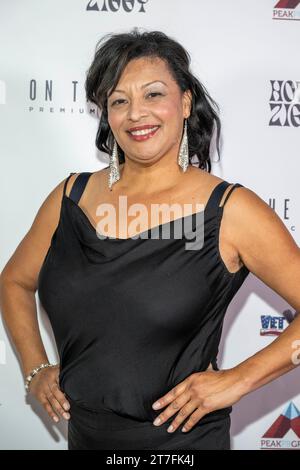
(58, 97)
(114, 6)
(271, 326)
(285, 103)
(287, 10)
(274, 326)
(284, 433)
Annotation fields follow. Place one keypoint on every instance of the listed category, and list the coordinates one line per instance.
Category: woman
(137, 316)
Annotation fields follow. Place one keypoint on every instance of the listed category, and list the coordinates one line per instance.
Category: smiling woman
(145, 79)
(137, 322)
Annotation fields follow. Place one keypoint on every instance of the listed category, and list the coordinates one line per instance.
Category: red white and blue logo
(274, 325)
(284, 433)
(287, 10)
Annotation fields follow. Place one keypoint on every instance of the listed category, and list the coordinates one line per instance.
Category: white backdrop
(247, 55)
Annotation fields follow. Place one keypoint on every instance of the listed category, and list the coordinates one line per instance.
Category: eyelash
(152, 93)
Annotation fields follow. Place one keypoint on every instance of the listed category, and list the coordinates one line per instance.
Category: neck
(150, 178)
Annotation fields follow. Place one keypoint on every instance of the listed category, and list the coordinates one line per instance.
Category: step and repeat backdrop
(247, 55)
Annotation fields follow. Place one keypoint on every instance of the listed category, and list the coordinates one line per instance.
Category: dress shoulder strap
(66, 182)
(217, 194)
(78, 185)
(236, 185)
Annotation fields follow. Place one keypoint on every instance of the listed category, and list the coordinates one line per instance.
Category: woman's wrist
(31, 364)
(32, 373)
(242, 379)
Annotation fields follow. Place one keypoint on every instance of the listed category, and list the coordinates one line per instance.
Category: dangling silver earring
(114, 174)
(183, 158)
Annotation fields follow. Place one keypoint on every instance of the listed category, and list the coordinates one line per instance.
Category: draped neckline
(148, 230)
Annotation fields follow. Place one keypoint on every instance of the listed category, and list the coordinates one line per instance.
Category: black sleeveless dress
(132, 318)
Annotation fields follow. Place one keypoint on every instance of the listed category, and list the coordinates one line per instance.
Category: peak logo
(287, 10)
(287, 422)
(117, 5)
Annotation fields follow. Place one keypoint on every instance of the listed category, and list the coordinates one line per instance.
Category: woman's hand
(44, 386)
(200, 393)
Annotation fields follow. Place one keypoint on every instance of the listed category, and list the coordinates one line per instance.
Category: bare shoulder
(95, 183)
(264, 243)
(202, 183)
(244, 205)
(256, 229)
(199, 175)
(70, 183)
(239, 195)
(25, 263)
(244, 208)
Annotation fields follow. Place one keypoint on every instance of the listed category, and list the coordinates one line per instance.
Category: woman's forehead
(142, 76)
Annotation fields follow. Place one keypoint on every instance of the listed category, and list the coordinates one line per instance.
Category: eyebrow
(145, 84)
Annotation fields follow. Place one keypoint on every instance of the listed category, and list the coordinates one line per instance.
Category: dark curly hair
(112, 54)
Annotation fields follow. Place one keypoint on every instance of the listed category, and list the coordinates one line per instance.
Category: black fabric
(90, 430)
(132, 318)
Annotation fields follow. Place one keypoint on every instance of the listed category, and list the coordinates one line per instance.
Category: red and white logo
(287, 10)
(284, 433)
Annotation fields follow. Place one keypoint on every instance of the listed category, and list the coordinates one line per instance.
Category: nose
(136, 110)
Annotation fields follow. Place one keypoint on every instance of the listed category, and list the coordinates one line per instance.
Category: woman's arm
(18, 306)
(270, 253)
(18, 285)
